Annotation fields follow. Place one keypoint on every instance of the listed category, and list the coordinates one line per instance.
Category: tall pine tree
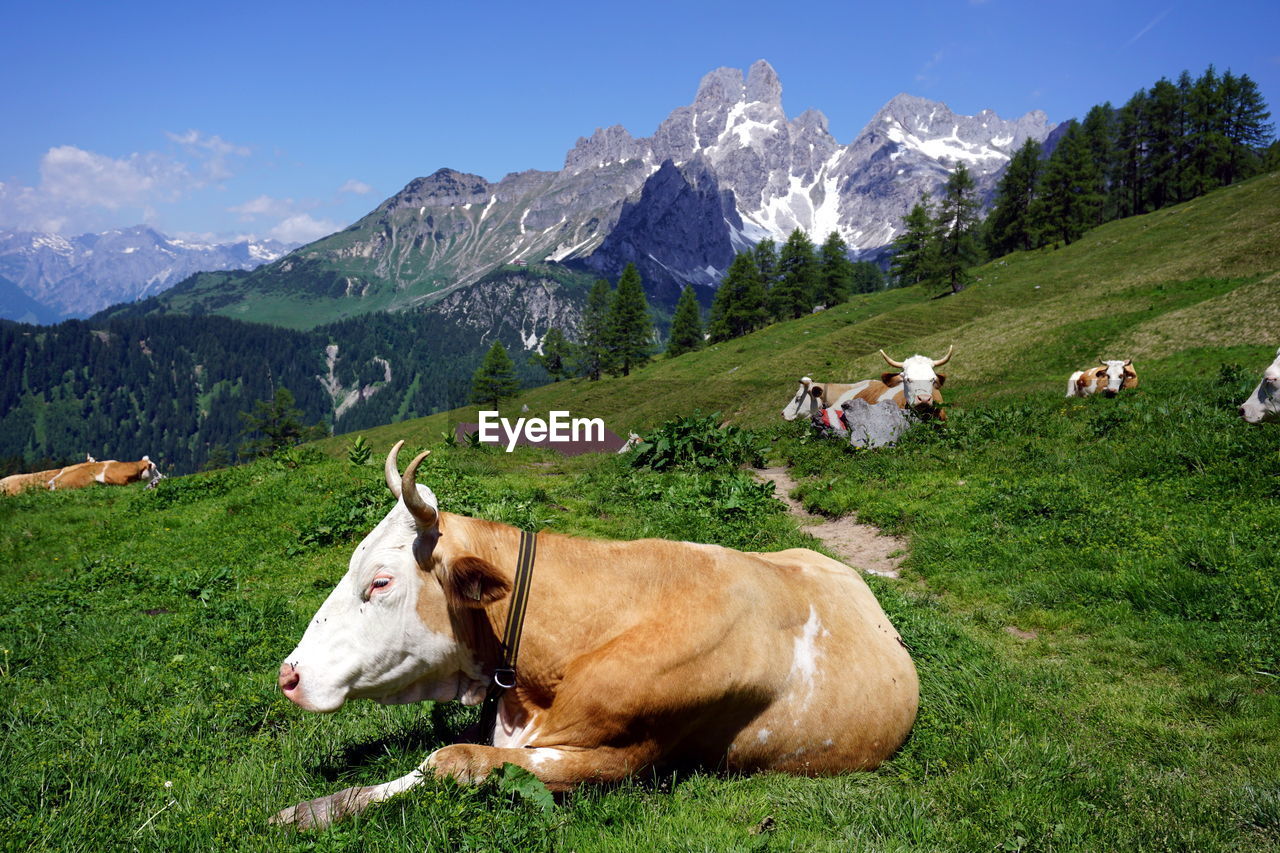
(630, 330)
(739, 304)
(495, 378)
(956, 222)
(915, 250)
(593, 352)
(686, 324)
(1010, 227)
(1067, 206)
(798, 282)
(835, 271)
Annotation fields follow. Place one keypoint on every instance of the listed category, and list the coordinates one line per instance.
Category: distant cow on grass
(917, 386)
(633, 655)
(108, 473)
(1109, 378)
(1263, 405)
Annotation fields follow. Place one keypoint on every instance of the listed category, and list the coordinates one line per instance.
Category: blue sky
(294, 119)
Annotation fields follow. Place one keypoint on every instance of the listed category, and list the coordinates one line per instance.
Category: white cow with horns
(634, 655)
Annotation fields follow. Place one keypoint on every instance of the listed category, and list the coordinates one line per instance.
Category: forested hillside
(173, 387)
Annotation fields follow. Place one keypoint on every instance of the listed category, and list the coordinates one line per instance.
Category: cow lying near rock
(1109, 378)
(917, 387)
(1263, 405)
(634, 655)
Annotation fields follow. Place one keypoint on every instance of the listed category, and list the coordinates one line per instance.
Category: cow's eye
(379, 583)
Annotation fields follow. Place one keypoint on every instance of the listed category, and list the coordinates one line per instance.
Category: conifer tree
(1245, 125)
(915, 250)
(765, 255)
(629, 328)
(495, 378)
(956, 220)
(686, 324)
(1098, 132)
(739, 304)
(1128, 169)
(1010, 227)
(798, 282)
(555, 356)
(1068, 200)
(593, 352)
(867, 277)
(276, 424)
(835, 271)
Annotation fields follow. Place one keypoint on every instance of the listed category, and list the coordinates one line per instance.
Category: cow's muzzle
(289, 681)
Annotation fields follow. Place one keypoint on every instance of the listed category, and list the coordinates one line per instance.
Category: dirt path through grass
(860, 545)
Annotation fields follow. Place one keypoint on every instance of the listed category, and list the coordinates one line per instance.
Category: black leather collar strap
(504, 675)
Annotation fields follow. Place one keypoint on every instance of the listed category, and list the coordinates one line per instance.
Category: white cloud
(81, 190)
(265, 205)
(356, 187)
(212, 150)
(302, 228)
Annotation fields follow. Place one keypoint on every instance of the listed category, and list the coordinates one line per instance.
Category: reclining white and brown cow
(917, 386)
(1109, 378)
(634, 655)
(107, 473)
(1263, 405)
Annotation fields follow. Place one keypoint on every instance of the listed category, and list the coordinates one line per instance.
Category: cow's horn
(391, 471)
(941, 361)
(892, 363)
(424, 512)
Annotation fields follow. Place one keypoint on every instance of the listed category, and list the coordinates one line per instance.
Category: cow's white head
(385, 632)
(808, 399)
(151, 474)
(919, 378)
(1263, 405)
(1120, 375)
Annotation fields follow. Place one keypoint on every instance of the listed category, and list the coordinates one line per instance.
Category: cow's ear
(474, 582)
(942, 377)
(890, 379)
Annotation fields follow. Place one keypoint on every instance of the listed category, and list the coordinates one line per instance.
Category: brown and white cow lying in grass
(1109, 378)
(634, 655)
(917, 386)
(1263, 405)
(108, 473)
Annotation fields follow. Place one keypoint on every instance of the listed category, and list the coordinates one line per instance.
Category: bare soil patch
(860, 545)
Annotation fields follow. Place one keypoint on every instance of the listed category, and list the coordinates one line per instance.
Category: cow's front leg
(559, 768)
(320, 813)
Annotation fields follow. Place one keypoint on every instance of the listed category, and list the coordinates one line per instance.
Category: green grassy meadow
(1092, 594)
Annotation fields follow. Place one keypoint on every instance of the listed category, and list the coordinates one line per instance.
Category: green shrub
(696, 442)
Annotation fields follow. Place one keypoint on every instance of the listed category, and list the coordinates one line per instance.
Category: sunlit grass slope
(1176, 290)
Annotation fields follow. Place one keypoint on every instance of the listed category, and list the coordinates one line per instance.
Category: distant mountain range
(717, 176)
(46, 277)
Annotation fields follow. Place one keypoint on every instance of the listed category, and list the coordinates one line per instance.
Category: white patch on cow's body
(1263, 405)
(544, 754)
(509, 735)
(1072, 389)
(804, 657)
(763, 735)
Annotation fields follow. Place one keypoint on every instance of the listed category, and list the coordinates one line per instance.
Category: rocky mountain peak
(763, 86)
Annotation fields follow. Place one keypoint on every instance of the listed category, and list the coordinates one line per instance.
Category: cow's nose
(289, 677)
